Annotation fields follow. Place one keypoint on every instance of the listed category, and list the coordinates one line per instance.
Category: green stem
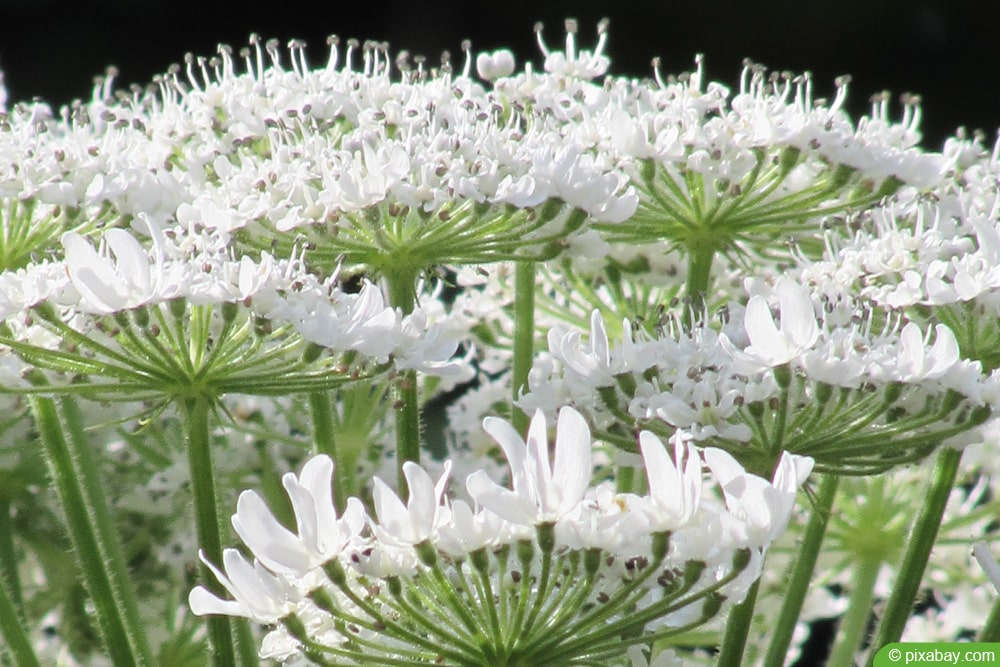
(854, 625)
(991, 630)
(625, 479)
(17, 642)
(8, 557)
(403, 295)
(198, 440)
(247, 649)
(88, 522)
(737, 628)
(922, 538)
(524, 338)
(700, 258)
(805, 563)
(407, 425)
(324, 440)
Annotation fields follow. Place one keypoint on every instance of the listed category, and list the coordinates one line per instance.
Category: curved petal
(572, 467)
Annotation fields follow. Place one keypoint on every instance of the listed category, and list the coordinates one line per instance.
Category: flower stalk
(854, 625)
(524, 337)
(88, 522)
(208, 521)
(918, 550)
(802, 571)
(403, 295)
(16, 639)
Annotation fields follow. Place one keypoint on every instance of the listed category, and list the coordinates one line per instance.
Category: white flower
(765, 507)
(914, 362)
(769, 345)
(581, 64)
(107, 286)
(466, 530)
(258, 594)
(674, 484)
(495, 65)
(418, 519)
(593, 363)
(321, 535)
(542, 492)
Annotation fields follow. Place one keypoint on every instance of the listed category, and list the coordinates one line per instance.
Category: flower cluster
(821, 381)
(390, 275)
(522, 574)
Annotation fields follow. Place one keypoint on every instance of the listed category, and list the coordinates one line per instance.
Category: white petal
(391, 512)
(538, 467)
(131, 259)
(203, 602)
(423, 502)
(664, 481)
(759, 324)
(573, 467)
(798, 319)
(513, 448)
(266, 537)
(502, 502)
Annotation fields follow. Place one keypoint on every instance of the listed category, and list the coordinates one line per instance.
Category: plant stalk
(524, 339)
(854, 624)
(88, 521)
(402, 295)
(198, 440)
(805, 563)
(918, 550)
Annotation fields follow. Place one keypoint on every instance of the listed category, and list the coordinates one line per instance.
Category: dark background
(945, 51)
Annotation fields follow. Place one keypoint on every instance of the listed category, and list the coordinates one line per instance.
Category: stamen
(467, 68)
(352, 44)
(226, 53)
(255, 43)
(838, 101)
(297, 52)
(571, 28)
(541, 41)
(333, 41)
(696, 78)
(657, 74)
(189, 70)
(272, 50)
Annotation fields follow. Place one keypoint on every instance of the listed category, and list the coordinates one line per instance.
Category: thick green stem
(16, 640)
(737, 628)
(805, 563)
(8, 557)
(700, 259)
(402, 295)
(524, 338)
(922, 537)
(197, 411)
(854, 625)
(324, 440)
(247, 646)
(625, 479)
(991, 629)
(88, 522)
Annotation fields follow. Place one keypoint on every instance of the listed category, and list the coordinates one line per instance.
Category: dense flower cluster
(344, 585)
(256, 265)
(761, 386)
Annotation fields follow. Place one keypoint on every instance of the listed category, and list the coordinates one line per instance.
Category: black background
(945, 51)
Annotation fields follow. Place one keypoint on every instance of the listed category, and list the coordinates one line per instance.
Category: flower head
(543, 491)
